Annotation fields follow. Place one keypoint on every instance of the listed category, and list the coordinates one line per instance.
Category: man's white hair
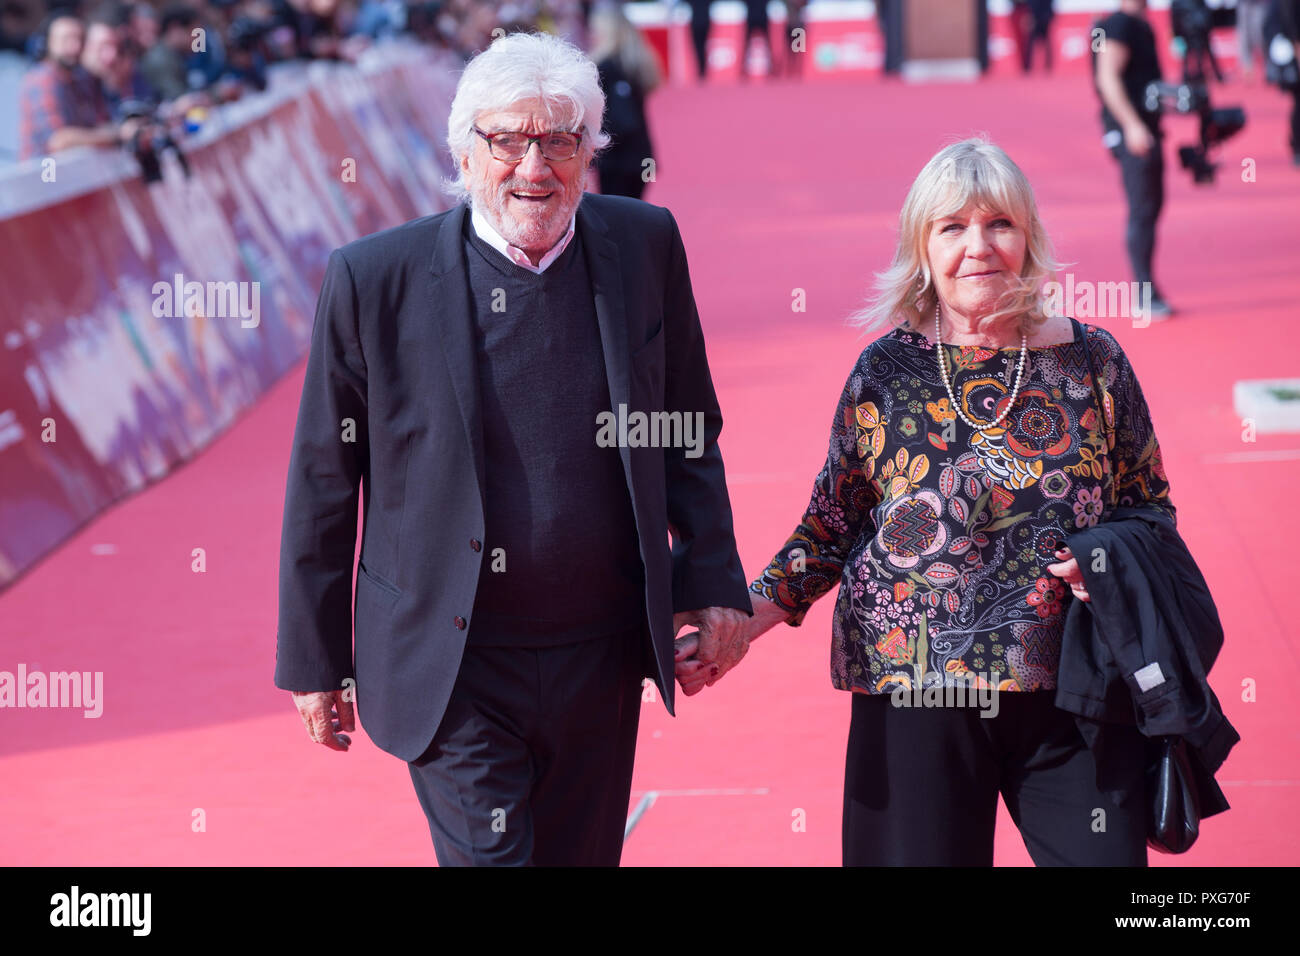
(524, 66)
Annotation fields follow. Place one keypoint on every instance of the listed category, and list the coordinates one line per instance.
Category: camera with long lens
(1216, 125)
(151, 140)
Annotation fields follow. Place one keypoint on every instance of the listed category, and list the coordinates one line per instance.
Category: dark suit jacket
(393, 351)
(1150, 606)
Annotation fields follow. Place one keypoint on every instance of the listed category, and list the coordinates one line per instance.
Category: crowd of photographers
(108, 72)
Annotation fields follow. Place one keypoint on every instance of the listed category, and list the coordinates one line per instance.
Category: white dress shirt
(514, 253)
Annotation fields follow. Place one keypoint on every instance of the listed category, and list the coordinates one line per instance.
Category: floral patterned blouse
(940, 536)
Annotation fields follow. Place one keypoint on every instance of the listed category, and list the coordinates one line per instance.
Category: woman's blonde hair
(613, 35)
(974, 171)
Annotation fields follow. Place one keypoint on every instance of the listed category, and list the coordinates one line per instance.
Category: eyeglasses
(512, 147)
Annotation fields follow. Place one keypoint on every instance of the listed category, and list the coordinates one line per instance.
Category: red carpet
(777, 187)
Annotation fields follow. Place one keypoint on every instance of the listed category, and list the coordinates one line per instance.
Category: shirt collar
(516, 255)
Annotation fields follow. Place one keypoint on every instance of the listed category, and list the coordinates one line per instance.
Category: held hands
(325, 713)
(703, 656)
(698, 662)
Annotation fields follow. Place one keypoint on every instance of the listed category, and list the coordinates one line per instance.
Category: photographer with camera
(165, 63)
(1282, 32)
(109, 57)
(1124, 62)
(62, 106)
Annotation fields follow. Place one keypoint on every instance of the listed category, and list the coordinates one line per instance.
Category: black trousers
(921, 786)
(1144, 187)
(532, 764)
(1295, 122)
(1039, 32)
(700, 26)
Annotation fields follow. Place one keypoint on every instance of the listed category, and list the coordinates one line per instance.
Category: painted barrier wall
(138, 321)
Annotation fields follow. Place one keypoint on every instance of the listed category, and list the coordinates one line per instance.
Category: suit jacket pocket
(384, 592)
(648, 364)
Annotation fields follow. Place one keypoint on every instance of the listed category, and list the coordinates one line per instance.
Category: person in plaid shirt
(61, 105)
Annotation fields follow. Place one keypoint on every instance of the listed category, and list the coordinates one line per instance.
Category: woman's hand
(1068, 570)
(693, 675)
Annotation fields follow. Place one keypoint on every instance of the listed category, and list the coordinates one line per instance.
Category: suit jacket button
(459, 622)
(475, 544)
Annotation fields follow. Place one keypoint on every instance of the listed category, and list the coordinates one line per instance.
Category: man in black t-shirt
(1124, 63)
(1286, 14)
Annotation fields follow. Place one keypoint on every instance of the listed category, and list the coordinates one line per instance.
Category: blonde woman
(629, 72)
(966, 446)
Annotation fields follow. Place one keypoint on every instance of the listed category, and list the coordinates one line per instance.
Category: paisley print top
(940, 536)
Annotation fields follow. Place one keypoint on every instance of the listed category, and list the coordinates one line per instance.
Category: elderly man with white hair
(521, 382)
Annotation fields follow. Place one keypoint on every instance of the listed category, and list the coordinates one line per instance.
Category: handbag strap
(1082, 333)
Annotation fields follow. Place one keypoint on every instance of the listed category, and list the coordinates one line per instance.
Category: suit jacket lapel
(454, 327)
(604, 270)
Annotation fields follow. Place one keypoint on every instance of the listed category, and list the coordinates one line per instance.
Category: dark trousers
(921, 786)
(532, 764)
(1295, 122)
(700, 26)
(1144, 187)
(1039, 32)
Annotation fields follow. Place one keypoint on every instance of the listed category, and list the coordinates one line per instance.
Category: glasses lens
(509, 146)
(560, 146)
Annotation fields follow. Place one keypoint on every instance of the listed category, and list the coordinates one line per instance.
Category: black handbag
(1173, 808)
(1174, 820)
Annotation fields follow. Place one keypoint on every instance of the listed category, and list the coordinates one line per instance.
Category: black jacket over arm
(393, 359)
(1149, 606)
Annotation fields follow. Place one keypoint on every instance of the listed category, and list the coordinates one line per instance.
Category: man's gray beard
(532, 235)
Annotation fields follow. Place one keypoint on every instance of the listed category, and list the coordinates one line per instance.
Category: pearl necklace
(943, 372)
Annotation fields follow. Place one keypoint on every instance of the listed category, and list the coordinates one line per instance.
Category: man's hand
(129, 127)
(704, 656)
(690, 673)
(1138, 139)
(694, 676)
(324, 714)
